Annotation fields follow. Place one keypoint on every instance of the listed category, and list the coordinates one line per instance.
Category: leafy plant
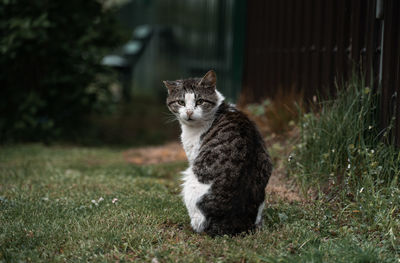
(50, 53)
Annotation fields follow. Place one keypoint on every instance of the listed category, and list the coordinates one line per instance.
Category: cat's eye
(181, 102)
(199, 102)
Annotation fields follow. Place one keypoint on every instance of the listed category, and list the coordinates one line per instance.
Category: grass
(347, 159)
(51, 211)
(343, 142)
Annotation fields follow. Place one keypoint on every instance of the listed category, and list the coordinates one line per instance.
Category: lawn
(64, 203)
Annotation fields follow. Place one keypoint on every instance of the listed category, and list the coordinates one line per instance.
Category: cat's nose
(189, 113)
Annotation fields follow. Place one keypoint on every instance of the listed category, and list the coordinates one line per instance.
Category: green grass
(347, 159)
(47, 215)
(344, 143)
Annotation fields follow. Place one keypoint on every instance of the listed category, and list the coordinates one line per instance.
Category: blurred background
(90, 72)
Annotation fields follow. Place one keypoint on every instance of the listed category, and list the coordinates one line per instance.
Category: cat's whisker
(170, 118)
(167, 113)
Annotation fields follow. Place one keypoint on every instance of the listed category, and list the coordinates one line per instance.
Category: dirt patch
(170, 152)
(279, 186)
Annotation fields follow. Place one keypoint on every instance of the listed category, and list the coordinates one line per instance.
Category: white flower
(290, 158)
(314, 98)
(100, 200)
(114, 200)
(370, 127)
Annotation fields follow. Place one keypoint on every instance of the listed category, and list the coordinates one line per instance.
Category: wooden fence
(307, 45)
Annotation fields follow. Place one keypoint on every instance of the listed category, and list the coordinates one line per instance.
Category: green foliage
(50, 53)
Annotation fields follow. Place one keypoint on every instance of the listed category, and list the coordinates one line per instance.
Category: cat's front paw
(259, 224)
(198, 223)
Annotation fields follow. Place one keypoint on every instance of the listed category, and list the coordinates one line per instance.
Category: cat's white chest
(191, 141)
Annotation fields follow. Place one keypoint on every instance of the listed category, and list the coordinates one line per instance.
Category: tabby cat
(229, 167)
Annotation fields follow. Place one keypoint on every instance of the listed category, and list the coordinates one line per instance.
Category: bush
(50, 53)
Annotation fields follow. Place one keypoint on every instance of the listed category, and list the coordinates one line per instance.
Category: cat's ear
(170, 85)
(209, 79)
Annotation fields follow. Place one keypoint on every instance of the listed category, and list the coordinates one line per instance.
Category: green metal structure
(190, 37)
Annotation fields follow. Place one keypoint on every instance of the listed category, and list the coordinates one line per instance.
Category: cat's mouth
(189, 120)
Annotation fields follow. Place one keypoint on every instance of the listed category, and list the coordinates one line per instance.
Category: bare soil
(170, 152)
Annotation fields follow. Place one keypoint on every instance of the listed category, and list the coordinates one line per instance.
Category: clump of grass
(344, 144)
(344, 155)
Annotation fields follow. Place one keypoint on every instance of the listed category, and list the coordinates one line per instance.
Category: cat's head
(194, 101)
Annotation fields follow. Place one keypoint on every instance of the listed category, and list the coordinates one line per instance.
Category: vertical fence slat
(372, 31)
(266, 55)
(249, 46)
(296, 45)
(334, 48)
(338, 35)
(397, 85)
(315, 48)
(396, 73)
(387, 79)
(278, 44)
(261, 41)
(342, 40)
(306, 49)
(326, 47)
(287, 42)
(273, 38)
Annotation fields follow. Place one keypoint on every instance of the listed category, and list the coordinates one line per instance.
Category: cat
(229, 167)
